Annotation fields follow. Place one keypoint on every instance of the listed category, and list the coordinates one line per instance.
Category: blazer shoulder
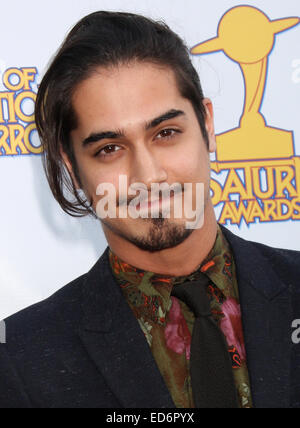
(281, 252)
(47, 314)
(280, 256)
(283, 262)
(286, 263)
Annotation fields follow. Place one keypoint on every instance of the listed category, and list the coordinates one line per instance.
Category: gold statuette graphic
(247, 36)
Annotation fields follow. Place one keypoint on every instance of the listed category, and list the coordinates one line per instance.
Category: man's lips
(158, 203)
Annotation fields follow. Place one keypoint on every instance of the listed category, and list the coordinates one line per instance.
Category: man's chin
(162, 234)
(156, 234)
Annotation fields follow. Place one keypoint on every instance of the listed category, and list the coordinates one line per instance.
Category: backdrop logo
(18, 135)
(262, 171)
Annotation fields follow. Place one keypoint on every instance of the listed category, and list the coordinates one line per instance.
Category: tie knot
(194, 295)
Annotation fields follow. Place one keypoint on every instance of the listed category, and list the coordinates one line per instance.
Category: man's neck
(178, 261)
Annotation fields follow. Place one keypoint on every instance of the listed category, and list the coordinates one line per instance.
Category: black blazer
(83, 348)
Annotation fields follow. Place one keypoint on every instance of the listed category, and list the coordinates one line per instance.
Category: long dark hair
(102, 39)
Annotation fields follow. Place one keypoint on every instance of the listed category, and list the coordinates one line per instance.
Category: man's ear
(209, 124)
(69, 167)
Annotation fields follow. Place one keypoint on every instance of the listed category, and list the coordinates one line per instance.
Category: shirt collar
(218, 261)
(149, 293)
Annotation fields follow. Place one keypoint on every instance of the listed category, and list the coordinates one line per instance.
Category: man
(121, 98)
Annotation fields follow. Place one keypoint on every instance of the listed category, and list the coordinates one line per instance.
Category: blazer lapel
(117, 345)
(267, 316)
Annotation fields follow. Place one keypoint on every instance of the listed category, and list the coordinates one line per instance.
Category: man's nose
(147, 168)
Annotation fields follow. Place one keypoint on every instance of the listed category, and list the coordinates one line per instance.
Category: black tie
(210, 365)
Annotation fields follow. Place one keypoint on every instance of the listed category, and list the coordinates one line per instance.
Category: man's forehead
(127, 75)
(131, 97)
(122, 83)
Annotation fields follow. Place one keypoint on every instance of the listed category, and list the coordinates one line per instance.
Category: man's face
(133, 121)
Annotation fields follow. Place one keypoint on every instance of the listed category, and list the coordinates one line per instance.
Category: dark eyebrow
(98, 136)
(171, 114)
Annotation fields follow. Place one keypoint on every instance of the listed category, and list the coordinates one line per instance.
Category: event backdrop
(248, 58)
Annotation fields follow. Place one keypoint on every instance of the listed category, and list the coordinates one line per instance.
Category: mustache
(126, 200)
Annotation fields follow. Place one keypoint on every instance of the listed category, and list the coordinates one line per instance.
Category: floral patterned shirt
(168, 323)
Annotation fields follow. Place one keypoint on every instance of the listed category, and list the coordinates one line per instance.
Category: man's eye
(107, 150)
(166, 134)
